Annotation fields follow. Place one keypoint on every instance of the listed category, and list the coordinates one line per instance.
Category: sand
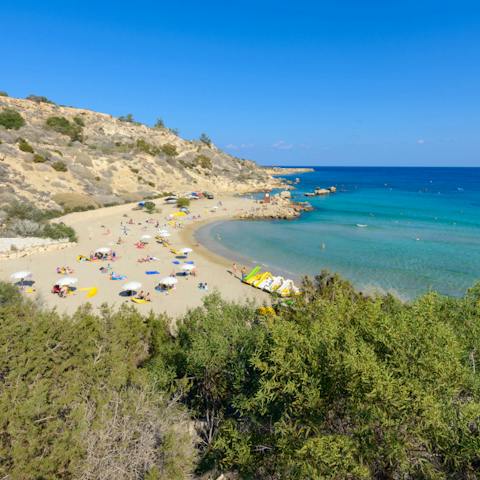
(101, 228)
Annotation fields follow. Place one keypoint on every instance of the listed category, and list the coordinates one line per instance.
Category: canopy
(187, 267)
(103, 250)
(68, 281)
(186, 250)
(131, 286)
(20, 275)
(169, 281)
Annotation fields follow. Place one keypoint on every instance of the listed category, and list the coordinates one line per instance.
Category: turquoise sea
(423, 230)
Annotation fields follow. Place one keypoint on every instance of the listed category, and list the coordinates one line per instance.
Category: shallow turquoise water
(423, 230)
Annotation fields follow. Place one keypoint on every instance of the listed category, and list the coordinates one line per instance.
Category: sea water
(422, 230)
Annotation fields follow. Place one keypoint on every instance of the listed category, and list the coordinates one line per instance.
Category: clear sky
(334, 82)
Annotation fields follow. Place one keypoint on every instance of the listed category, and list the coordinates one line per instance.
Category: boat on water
(362, 225)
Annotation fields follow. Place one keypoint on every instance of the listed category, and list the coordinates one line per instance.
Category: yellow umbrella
(179, 214)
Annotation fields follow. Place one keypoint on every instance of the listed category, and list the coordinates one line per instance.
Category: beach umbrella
(131, 286)
(68, 281)
(168, 281)
(22, 275)
(186, 250)
(103, 250)
(145, 237)
(187, 267)
(164, 233)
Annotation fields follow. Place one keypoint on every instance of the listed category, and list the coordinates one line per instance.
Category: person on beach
(235, 269)
(244, 272)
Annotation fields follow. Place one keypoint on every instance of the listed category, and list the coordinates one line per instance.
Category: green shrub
(144, 146)
(128, 119)
(149, 207)
(204, 138)
(204, 162)
(59, 166)
(65, 127)
(169, 150)
(159, 123)
(9, 294)
(24, 146)
(183, 202)
(175, 131)
(79, 121)
(39, 158)
(78, 404)
(3, 93)
(57, 231)
(11, 119)
(39, 99)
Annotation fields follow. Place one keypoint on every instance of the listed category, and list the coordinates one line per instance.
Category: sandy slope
(102, 228)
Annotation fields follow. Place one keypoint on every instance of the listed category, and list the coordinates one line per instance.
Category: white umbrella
(146, 237)
(103, 250)
(164, 233)
(168, 281)
(20, 275)
(186, 250)
(68, 281)
(187, 267)
(132, 286)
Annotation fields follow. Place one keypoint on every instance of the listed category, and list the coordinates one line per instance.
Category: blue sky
(322, 83)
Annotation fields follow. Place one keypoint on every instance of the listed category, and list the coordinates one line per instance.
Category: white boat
(362, 225)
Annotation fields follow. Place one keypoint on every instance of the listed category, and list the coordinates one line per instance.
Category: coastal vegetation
(332, 384)
(24, 220)
(11, 119)
(39, 99)
(64, 126)
(183, 202)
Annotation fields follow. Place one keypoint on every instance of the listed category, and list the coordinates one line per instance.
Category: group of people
(143, 296)
(65, 270)
(60, 290)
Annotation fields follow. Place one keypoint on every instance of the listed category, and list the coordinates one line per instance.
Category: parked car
(208, 195)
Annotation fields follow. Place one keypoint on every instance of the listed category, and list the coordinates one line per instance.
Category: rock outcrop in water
(280, 206)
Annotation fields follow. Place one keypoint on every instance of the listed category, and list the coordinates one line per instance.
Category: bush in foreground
(330, 385)
(78, 404)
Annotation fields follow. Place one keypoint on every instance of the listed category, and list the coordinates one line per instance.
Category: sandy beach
(103, 227)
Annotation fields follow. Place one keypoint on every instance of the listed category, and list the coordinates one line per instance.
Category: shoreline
(102, 228)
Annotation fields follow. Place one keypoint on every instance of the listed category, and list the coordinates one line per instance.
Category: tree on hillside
(159, 123)
(204, 138)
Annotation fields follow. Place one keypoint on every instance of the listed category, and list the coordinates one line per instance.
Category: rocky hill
(55, 156)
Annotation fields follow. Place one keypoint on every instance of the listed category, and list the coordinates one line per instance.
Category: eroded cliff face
(84, 157)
